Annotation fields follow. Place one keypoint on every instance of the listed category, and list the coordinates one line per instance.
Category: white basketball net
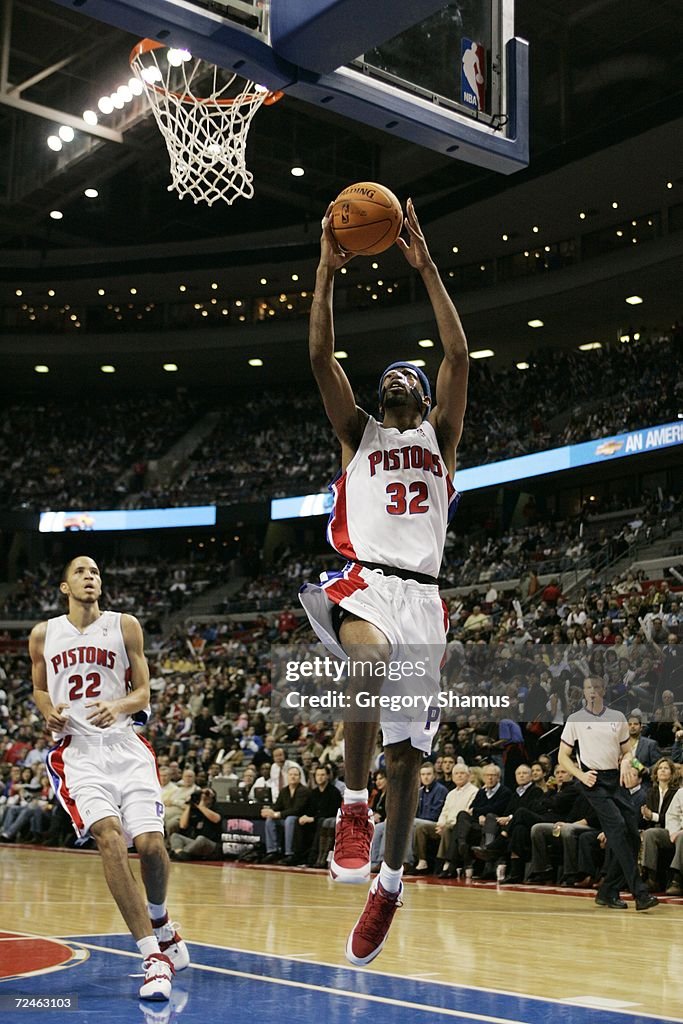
(205, 134)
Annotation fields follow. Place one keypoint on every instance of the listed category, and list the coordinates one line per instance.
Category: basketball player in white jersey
(393, 501)
(90, 679)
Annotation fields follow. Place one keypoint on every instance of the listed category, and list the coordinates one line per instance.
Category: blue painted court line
(224, 982)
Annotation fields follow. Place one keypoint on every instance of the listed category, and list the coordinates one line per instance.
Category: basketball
(366, 218)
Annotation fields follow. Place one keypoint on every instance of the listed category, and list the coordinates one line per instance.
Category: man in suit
(279, 772)
(491, 800)
(646, 750)
(568, 828)
(506, 836)
(285, 812)
(431, 798)
(320, 812)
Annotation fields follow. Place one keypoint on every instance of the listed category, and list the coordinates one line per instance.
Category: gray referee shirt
(599, 737)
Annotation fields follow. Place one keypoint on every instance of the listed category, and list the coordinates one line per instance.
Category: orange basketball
(366, 218)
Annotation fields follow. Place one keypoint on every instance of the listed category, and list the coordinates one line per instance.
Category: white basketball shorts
(108, 775)
(411, 615)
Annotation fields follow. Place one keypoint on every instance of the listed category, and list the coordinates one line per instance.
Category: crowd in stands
(564, 397)
(149, 590)
(279, 443)
(83, 452)
(588, 542)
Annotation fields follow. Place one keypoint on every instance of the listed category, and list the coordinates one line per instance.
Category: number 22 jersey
(85, 667)
(393, 503)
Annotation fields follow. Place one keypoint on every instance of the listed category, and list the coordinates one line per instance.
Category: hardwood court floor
(536, 944)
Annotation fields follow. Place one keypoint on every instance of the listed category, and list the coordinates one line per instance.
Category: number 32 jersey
(85, 667)
(393, 503)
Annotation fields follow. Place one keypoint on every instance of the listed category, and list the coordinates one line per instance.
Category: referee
(604, 754)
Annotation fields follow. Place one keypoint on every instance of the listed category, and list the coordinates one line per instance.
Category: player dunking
(393, 501)
(90, 676)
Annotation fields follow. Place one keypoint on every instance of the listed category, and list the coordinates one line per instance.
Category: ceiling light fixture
(176, 57)
(590, 346)
(91, 193)
(482, 353)
(256, 362)
(108, 368)
(56, 214)
(535, 323)
(341, 354)
(41, 368)
(105, 104)
(170, 367)
(416, 362)
(90, 117)
(66, 133)
(297, 172)
(151, 74)
(54, 142)
(426, 343)
(522, 366)
(634, 300)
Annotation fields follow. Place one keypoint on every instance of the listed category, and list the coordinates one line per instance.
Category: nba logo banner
(472, 74)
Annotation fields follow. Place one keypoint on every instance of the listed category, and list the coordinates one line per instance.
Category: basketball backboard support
(454, 81)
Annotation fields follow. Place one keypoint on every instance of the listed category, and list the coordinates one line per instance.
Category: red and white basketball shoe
(158, 977)
(352, 841)
(172, 945)
(372, 927)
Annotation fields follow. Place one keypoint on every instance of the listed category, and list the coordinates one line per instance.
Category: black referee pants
(619, 822)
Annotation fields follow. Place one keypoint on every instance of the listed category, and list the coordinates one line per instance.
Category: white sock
(148, 945)
(390, 880)
(157, 911)
(355, 796)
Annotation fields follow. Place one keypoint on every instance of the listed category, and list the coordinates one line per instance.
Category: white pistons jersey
(85, 667)
(393, 503)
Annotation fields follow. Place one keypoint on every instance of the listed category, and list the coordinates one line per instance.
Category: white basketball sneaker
(172, 945)
(158, 977)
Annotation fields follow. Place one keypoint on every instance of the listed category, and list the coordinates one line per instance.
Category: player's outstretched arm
(348, 421)
(451, 382)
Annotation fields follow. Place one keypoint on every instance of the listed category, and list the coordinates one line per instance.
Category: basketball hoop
(206, 135)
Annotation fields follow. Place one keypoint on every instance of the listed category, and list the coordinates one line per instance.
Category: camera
(195, 797)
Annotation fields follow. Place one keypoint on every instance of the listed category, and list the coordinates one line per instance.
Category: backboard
(448, 76)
